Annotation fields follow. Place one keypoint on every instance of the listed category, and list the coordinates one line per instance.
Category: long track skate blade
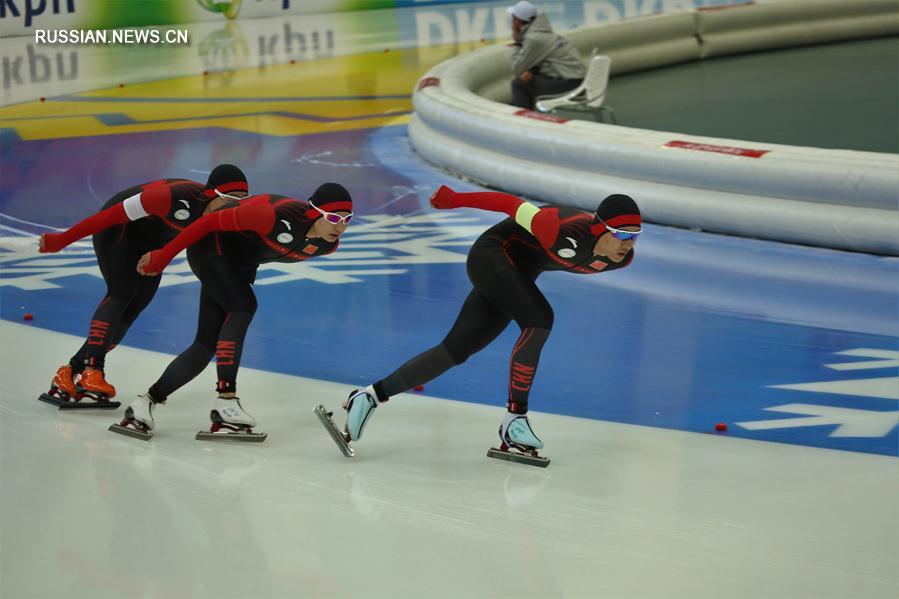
(89, 405)
(64, 404)
(245, 437)
(130, 432)
(325, 417)
(52, 399)
(520, 458)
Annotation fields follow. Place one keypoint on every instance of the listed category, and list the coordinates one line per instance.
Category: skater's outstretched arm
(153, 201)
(257, 217)
(542, 223)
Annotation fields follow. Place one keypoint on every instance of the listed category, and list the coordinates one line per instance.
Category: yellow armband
(525, 214)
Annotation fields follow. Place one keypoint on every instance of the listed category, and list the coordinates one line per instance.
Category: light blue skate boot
(359, 406)
(516, 432)
(518, 443)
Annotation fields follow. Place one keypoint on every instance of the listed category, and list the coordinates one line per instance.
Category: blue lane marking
(8, 138)
(117, 119)
(695, 332)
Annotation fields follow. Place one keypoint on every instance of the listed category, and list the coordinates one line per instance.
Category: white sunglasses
(227, 196)
(621, 234)
(333, 217)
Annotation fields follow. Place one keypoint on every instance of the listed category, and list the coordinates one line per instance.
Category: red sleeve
(157, 200)
(259, 218)
(488, 200)
(545, 226)
(114, 215)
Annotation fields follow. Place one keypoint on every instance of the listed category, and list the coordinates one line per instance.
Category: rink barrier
(791, 24)
(833, 198)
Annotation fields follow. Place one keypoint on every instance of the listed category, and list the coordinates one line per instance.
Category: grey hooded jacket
(547, 53)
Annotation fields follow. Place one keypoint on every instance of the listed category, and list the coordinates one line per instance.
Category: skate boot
(62, 387)
(359, 406)
(93, 385)
(138, 421)
(518, 443)
(229, 421)
(66, 395)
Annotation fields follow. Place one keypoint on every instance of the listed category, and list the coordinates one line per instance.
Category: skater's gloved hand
(151, 263)
(442, 199)
(50, 243)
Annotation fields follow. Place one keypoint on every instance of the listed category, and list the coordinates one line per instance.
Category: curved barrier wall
(831, 198)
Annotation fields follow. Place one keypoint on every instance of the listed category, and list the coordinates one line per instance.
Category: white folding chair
(589, 95)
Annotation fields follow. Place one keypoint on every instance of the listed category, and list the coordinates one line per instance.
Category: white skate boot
(231, 422)
(138, 421)
(518, 443)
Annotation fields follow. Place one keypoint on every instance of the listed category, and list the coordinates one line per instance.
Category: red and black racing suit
(503, 265)
(225, 249)
(132, 223)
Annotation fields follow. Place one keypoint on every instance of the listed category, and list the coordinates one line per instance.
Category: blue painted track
(699, 330)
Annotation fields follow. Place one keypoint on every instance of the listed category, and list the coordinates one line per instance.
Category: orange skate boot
(62, 387)
(93, 386)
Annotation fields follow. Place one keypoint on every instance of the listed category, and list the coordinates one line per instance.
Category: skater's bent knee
(245, 307)
(201, 350)
(457, 355)
(537, 324)
(123, 293)
(538, 320)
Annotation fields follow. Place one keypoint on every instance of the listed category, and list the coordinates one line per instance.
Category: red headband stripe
(625, 220)
(234, 186)
(339, 206)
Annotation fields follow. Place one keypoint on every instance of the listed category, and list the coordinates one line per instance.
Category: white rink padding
(622, 511)
(833, 198)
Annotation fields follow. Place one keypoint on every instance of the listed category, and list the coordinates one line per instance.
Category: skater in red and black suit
(132, 223)
(225, 248)
(503, 265)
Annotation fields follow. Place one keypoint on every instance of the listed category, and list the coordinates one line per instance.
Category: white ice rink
(623, 511)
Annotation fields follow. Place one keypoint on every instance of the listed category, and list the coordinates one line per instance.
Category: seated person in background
(545, 63)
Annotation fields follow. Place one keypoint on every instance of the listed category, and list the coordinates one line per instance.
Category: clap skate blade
(130, 431)
(66, 402)
(224, 431)
(246, 435)
(220, 431)
(339, 437)
(528, 457)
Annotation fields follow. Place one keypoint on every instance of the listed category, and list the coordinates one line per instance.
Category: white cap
(523, 11)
